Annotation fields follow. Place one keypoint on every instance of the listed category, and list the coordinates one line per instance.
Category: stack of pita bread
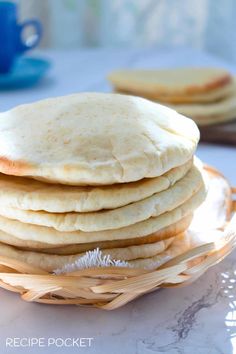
(95, 170)
(207, 95)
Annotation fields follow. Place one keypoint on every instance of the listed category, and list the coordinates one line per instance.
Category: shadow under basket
(112, 287)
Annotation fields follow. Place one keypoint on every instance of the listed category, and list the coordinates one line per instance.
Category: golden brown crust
(211, 85)
(189, 95)
(16, 168)
(165, 92)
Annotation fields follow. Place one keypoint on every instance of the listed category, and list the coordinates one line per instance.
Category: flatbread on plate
(174, 83)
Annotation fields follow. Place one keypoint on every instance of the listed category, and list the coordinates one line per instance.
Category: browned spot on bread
(162, 94)
(15, 167)
(212, 85)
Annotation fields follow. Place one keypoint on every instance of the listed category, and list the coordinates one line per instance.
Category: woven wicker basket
(111, 287)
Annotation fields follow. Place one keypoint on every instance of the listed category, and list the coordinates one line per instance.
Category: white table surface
(200, 318)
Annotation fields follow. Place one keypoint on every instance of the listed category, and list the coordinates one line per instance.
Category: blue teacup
(11, 42)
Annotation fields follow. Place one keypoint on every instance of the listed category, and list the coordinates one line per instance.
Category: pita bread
(170, 82)
(217, 207)
(220, 118)
(153, 206)
(52, 262)
(143, 228)
(207, 97)
(212, 112)
(28, 194)
(163, 234)
(94, 139)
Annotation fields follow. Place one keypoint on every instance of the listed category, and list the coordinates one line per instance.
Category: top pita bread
(94, 138)
(174, 85)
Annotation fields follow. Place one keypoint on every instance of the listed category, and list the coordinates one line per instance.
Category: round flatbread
(133, 213)
(94, 139)
(29, 194)
(143, 228)
(170, 82)
(163, 234)
(206, 97)
(210, 113)
(52, 262)
(216, 119)
(217, 206)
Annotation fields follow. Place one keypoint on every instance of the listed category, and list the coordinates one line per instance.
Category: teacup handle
(33, 40)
